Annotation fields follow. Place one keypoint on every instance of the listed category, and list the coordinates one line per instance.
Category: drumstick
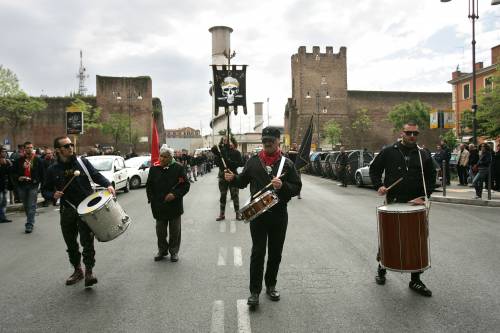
(258, 193)
(394, 184)
(75, 174)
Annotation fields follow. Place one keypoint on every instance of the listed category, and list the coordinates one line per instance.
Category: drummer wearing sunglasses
(402, 183)
(64, 174)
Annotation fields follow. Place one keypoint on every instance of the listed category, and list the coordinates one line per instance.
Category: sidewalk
(465, 195)
(18, 207)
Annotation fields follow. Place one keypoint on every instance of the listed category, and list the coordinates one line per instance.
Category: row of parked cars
(325, 164)
(122, 174)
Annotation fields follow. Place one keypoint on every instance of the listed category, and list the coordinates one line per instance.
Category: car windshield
(134, 162)
(101, 164)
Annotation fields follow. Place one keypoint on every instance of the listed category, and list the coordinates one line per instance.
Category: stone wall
(51, 122)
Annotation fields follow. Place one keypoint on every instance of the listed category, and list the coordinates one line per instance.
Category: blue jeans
(3, 203)
(479, 180)
(28, 195)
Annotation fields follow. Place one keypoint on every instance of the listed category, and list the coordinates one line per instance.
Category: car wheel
(126, 188)
(135, 182)
(358, 179)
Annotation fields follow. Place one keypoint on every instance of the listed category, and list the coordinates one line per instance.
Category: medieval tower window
(317, 57)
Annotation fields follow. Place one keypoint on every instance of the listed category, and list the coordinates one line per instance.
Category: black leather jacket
(398, 161)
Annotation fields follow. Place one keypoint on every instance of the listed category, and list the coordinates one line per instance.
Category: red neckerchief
(27, 165)
(269, 160)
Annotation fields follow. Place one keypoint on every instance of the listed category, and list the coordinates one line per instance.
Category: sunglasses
(411, 133)
(67, 146)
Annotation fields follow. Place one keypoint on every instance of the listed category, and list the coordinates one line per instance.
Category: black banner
(305, 147)
(229, 87)
(74, 123)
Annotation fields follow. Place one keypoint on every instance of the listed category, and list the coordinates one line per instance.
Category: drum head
(400, 208)
(94, 202)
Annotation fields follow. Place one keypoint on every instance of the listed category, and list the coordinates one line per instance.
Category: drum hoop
(417, 209)
(102, 204)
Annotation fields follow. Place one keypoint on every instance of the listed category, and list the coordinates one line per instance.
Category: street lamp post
(318, 97)
(131, 96)
(473, 15)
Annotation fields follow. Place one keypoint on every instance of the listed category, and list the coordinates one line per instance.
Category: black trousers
(462, 174)
(223, 187)
(71, 226)
(162, 232)
(415, 276)
(268, 229)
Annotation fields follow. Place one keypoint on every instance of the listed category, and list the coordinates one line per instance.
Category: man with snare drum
(74, 173)
(402, 166)
(269, 169)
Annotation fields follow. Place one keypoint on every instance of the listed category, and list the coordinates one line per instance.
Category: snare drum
(259, 205)
(403, 237)
(104, 216)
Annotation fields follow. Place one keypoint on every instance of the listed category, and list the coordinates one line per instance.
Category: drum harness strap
(82, 165)
(278, 174)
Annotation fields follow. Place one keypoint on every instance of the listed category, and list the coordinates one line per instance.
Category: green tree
(450, 139)
(17, 110)
(361, 125)
(488, 112)
(333, 132)
(466, 121)
(91, 115)
(116, 126)
(9, 84)
(413, 111)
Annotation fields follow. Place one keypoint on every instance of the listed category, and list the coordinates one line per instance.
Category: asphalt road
(326, 278)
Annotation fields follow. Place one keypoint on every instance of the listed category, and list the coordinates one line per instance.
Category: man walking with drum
(166, 186)
(269, 169)
(403, 183)
(68, 179)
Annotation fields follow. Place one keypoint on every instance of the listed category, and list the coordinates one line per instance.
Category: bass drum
(403, 232)
(104, 216)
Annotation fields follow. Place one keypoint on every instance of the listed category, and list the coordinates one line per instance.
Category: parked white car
(113, 168)
(138, 170)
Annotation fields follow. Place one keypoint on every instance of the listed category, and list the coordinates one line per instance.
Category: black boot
(380, 277)
(273, 294)
(253, 300)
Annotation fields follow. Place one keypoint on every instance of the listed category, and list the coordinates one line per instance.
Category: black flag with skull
(230, 87)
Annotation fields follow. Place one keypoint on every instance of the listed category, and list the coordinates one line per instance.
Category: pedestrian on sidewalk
(166, 186)
(496, 169)
(343, 164)
(402, 160)
(59, 175)
(462, 165)
(483, 168)
(473, 159)
(268, 229)
(48, 159)
(5, 166)
(29, 174)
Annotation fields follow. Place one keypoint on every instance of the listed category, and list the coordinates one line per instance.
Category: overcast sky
(392, 45)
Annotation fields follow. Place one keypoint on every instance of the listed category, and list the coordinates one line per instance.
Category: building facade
(462, 86)
(319, 89)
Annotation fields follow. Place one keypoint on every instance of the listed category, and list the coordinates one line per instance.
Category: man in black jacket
(227, 156)
(269, 166)
(401, 160)
(166, 186)
(58, 175)
(343, 162)
(29, 173)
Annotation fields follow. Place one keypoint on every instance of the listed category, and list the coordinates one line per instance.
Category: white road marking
(222, 256)
(243, 317)
(232, 226)
(238, 258)
(217, 317)
(222, 226)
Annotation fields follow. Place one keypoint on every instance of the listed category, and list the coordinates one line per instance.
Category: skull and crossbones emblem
(230, 89)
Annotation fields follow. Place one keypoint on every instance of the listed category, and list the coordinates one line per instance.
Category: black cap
(270, 132)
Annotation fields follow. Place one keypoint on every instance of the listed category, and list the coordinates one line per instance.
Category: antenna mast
(81, 77)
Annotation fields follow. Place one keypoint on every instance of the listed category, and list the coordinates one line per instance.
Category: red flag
(155, 149)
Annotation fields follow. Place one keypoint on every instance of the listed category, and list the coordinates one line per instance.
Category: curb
(463, 201)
